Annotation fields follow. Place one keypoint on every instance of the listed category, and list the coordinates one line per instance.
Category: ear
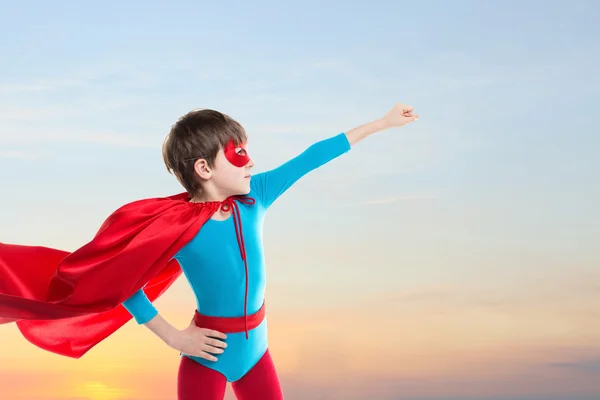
(201, 168)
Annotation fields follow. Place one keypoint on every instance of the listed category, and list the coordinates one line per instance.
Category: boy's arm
(195, 341)
(400, 115)
(140, 307)
(144, 313)
(272, 184)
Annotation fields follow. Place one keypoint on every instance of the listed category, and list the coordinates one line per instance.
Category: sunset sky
(456, 258)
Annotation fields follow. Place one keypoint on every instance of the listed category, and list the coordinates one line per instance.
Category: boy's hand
(199, 342)
(400, 115)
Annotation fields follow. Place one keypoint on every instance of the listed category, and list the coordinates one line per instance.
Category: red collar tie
(227, 205)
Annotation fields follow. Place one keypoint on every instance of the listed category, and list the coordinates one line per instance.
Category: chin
(243, 191)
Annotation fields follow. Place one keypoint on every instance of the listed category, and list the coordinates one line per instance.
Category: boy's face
(231, 173)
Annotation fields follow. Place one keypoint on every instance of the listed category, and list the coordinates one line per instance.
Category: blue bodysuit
(212, 264)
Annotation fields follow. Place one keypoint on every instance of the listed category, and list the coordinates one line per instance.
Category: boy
(131, 261)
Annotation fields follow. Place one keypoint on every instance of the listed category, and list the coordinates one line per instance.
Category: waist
(230, 324)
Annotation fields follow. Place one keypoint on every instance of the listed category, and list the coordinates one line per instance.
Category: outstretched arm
(271, 184)
(400, 115)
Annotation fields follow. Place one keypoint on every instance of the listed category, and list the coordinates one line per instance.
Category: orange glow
(98, 391)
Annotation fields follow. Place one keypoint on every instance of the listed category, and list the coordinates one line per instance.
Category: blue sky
(501, 161)
(492, 193)
(506, 93)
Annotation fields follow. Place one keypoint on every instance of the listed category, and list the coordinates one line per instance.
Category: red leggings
(197, 382)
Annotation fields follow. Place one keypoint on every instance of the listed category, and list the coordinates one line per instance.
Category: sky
(454, 258)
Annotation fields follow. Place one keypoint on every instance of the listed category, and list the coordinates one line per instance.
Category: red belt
(230, 324)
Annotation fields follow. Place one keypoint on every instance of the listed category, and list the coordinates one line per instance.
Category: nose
(250, 163)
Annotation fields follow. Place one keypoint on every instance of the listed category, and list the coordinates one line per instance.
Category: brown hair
(198, 134)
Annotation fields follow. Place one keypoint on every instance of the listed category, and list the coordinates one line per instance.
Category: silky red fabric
(67, 303)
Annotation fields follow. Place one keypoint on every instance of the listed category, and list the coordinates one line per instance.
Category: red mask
(236, 155)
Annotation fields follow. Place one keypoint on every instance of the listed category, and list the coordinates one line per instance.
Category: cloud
(341, 386)
(586, 366)
(346, 70)
(46, 84)
(20, 88)
(561, 305)
(87, 105)
(20, 155)
(93, 75)
(15, 114)
(396, 199)
(34, 137)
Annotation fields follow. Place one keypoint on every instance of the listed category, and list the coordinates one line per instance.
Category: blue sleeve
(271, 184)
(140, 307)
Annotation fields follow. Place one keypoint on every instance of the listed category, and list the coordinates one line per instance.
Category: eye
(240, 151)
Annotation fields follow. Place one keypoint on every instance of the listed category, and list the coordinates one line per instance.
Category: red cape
(67, 303)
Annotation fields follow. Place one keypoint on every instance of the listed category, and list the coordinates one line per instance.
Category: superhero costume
(212, 264)
(67, 303)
